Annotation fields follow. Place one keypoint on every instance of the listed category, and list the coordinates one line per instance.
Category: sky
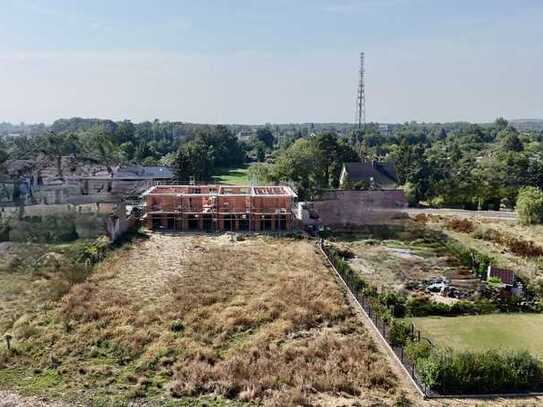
(270, 61)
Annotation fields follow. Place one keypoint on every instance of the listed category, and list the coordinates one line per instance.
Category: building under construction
(219, 208)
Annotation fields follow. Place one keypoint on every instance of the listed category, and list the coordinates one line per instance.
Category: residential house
(372, 175)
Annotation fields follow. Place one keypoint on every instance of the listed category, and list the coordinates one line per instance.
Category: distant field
(233, 176)
(482, 332)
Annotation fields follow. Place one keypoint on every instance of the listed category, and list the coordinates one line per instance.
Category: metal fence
(383, 327)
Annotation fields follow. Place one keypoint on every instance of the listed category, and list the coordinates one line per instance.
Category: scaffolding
(210, 208)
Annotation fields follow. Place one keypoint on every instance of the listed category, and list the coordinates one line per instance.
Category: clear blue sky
(270, 61)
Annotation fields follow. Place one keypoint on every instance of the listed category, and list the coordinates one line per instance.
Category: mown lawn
(482, 332)
(233, 176)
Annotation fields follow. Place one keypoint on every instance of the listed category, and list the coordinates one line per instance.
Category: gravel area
(8, 399)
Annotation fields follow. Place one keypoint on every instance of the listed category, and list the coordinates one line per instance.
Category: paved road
(496, 215)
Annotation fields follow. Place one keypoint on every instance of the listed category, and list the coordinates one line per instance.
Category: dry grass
(512, 246)
(31, 277)
(258, 320)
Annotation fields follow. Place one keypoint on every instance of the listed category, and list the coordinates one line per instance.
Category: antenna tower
(361, 96)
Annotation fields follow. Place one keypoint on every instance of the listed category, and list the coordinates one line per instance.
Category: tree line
(442, 165)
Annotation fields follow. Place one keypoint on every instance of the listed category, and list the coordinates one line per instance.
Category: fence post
(401, 353)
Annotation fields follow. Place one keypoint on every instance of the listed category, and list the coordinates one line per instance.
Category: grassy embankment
(198, 319)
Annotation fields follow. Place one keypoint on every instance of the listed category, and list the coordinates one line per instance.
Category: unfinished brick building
(219, 208)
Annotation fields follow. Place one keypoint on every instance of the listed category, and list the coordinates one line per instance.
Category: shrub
(473, 259)
(418, 349)
(519, 247)
(177, 326)
(460, 225)
(93, 252)
(530, 206)
(399, 333)
(424, 306)
(483, 372)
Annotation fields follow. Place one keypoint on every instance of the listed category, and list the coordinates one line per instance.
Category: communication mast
(361, 96)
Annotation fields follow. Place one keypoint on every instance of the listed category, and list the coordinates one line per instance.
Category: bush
(424, 306)
(93, 252)
(483, 372)
(519, 247)
(473, 259)
(530, 206)
(399, 333)
(460, 225)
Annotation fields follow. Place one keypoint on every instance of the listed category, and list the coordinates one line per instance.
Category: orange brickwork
(219, 208)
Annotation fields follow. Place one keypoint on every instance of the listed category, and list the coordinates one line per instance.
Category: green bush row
(423, 306)
(449, 372)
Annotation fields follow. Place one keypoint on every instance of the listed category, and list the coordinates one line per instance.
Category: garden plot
(410, 262)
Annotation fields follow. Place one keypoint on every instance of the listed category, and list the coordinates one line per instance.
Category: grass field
(482, 332)
(198, 319)
(233, 176)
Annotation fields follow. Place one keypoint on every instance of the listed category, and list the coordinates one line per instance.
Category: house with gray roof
(373, 175)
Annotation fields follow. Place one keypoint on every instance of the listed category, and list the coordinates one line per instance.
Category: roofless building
(219, 208)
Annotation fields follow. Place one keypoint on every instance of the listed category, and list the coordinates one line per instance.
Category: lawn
(233, 176)
(191, 318)
(495, 331)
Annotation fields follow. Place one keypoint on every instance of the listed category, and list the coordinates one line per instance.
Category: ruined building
(219, 208)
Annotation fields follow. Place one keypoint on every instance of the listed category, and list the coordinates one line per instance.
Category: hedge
(449, 372)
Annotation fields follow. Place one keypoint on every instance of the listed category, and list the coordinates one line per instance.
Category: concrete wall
(42, 210)
(62, 222)
(344, 208)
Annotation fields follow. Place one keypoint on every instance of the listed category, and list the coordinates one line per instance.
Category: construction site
(211, 208)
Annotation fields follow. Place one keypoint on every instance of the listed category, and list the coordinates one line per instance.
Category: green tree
(260, 151)
(260, 173)
(300, 164)
(265, 135)
(56, 146)
(512, 142)
(530, 206)
(501, 124)
(99, 148)
(193, 161)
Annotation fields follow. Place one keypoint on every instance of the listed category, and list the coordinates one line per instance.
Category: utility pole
(361, 97)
